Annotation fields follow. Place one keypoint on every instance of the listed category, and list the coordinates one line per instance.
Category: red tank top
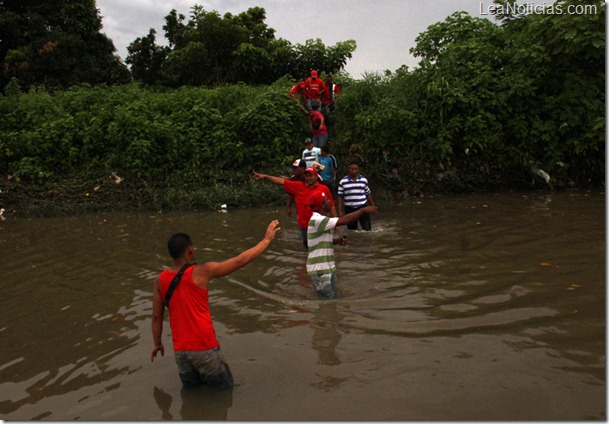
(189, 317)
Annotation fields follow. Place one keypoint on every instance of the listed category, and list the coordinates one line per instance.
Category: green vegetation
(487, 106)
(210, 49)
(57, 44)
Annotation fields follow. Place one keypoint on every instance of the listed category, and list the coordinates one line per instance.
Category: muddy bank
(73, 197)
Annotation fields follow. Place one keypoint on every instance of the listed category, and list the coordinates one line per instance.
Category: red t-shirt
(189, 316)
(298, 88)
(301, 192)
(314, 87)
(317, 116)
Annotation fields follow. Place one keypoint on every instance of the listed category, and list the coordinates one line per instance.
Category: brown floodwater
(470, 307)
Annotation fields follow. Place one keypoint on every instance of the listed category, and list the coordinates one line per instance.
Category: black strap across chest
(174, 283)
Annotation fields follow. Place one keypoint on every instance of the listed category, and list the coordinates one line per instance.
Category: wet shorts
(204, 367)
(325, 285)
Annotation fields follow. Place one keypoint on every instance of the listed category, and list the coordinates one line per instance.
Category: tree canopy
(56, 44)
(492, 101)
(210, 49)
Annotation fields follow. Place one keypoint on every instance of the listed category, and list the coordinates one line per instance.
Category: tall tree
(210, 49)
(146, 59)
(57, 44)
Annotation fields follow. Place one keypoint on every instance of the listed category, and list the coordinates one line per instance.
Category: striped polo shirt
(321, 246)
(354, 192)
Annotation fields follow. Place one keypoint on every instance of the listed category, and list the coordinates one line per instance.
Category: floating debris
(117, 179)
(543, 175)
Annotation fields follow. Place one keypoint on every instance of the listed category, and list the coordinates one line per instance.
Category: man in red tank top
(197, 351)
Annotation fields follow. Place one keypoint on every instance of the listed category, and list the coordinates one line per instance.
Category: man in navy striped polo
(353, 194)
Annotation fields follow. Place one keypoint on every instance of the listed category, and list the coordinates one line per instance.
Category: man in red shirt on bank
(186, 284)
(319, 129)
(314, 91)
(302, 192)
(298, 91)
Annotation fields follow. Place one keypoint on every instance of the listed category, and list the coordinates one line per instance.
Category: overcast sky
(384, 30)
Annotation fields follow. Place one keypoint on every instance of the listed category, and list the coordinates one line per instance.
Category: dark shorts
(204, 367)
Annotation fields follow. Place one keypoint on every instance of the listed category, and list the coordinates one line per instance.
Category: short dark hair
(325, 149)
(177, 244)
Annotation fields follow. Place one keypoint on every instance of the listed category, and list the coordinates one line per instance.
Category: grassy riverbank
(517, 106)
(74, 196)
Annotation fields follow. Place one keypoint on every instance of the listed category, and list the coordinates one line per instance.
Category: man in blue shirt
(353, 194)
(328, 174)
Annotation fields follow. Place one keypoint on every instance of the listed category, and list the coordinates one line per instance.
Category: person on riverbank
(183, 289)
(318, 128)
(298, 91)
(353, 194)
(301, 192)
(321, 265)
(314, 91)
(330, 166)
(330, 94)
(311, 153)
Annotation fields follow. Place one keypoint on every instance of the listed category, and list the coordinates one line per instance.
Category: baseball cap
(308, 140)
(316, 199)
(299, 163)
(312, 170)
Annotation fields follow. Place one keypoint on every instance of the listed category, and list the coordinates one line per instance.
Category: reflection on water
(326, 334)
(200, 403)
(453, 307)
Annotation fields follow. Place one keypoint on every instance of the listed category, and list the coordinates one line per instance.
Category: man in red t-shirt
(318, 128)
(314, 91)
(302, 192)
(196, 348)
(298, 91)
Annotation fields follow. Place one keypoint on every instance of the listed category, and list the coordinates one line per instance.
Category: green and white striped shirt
(321, 247)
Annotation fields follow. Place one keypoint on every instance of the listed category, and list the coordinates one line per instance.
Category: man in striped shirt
(321, 266)
(353, 194)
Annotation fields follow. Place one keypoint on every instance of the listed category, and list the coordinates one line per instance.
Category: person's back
(189, 316)
(183, 289)
(321, 265)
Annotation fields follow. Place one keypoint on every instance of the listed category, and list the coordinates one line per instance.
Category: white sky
(384, 30)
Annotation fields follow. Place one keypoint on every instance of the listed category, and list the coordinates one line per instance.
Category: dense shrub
(487, 107)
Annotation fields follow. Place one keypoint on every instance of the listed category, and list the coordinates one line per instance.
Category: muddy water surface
(474, 307)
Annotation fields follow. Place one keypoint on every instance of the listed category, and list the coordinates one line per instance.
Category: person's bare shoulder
(201, 274)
